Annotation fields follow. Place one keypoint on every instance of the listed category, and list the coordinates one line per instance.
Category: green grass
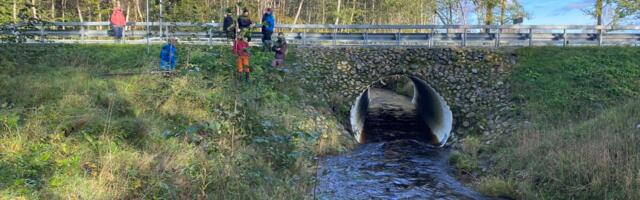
(574, 84)
(497, 187)
(67, 130)
(582, 141)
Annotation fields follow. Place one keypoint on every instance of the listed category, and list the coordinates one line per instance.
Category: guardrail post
(82, 34)
(464, 37)
(564, 37)
(14, 32)
(499, 37)
(430, 39)
(600, 34)
(42, 33)
(210, 36)
(333, 36)
(304, 37)
(398, 37)
(530, 37)
(366, 37)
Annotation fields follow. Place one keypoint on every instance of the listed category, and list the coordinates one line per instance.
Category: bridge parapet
(329, 34)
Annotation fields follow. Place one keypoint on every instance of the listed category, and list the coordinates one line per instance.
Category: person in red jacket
(241, 50)
(118, 21)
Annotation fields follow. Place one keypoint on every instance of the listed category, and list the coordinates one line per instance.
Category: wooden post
(564, 37)
(530, 37)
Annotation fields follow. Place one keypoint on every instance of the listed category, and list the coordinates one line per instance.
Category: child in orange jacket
(241, 50)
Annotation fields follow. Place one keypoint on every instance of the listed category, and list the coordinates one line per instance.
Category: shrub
(497, 187)
(465, 163)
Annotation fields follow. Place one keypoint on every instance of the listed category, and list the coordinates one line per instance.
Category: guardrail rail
(334, 35)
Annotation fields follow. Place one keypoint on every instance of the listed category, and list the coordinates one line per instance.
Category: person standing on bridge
(241, 50)
(245, 24)
(118, 22)
(268, 25)
(228, 26)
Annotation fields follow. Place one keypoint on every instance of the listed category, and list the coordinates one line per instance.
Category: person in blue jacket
(268, 26)
(168, 55)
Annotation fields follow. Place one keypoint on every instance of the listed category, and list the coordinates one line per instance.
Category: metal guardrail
(365, 35)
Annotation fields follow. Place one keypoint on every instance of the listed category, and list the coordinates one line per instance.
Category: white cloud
(573, 6)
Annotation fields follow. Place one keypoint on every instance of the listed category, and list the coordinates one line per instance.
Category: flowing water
(387, 168)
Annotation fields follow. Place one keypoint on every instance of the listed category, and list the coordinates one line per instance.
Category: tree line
(487, 12)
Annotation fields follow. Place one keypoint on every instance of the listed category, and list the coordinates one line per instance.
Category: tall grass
(581, 140)
(70, 131)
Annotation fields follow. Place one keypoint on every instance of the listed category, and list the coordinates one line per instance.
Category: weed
(464, 163)
(497, 187)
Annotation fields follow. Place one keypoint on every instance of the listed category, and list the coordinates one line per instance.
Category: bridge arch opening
(434, 119)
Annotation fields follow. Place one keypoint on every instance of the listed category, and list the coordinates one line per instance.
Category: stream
(390, 165)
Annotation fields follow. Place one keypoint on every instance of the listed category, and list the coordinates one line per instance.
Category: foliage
(497, 187)
(464, 163)
(93, 122)
(312, 11)
(14, 33)
(620, 10)
(6, 12)
(628, 8)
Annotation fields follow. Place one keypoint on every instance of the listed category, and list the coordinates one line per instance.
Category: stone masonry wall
(472, 81)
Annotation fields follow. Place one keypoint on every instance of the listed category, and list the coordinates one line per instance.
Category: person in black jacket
(227, 26)
(280, 47)
(245, 24)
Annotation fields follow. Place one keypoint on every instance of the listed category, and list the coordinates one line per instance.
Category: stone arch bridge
(471, 83)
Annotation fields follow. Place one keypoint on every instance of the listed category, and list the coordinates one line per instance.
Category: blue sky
(556, 12)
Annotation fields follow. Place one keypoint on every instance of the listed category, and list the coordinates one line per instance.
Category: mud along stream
(394, 161)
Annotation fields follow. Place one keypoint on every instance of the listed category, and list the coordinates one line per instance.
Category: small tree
(613, 12)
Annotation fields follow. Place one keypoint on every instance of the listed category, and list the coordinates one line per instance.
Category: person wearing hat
(241, 50)
(280, 47)
(268, 25)
(245, 24)
(228, 26)
(168, 55)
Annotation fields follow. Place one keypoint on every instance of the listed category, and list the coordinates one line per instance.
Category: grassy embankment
(579, 138)
(67, 131)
